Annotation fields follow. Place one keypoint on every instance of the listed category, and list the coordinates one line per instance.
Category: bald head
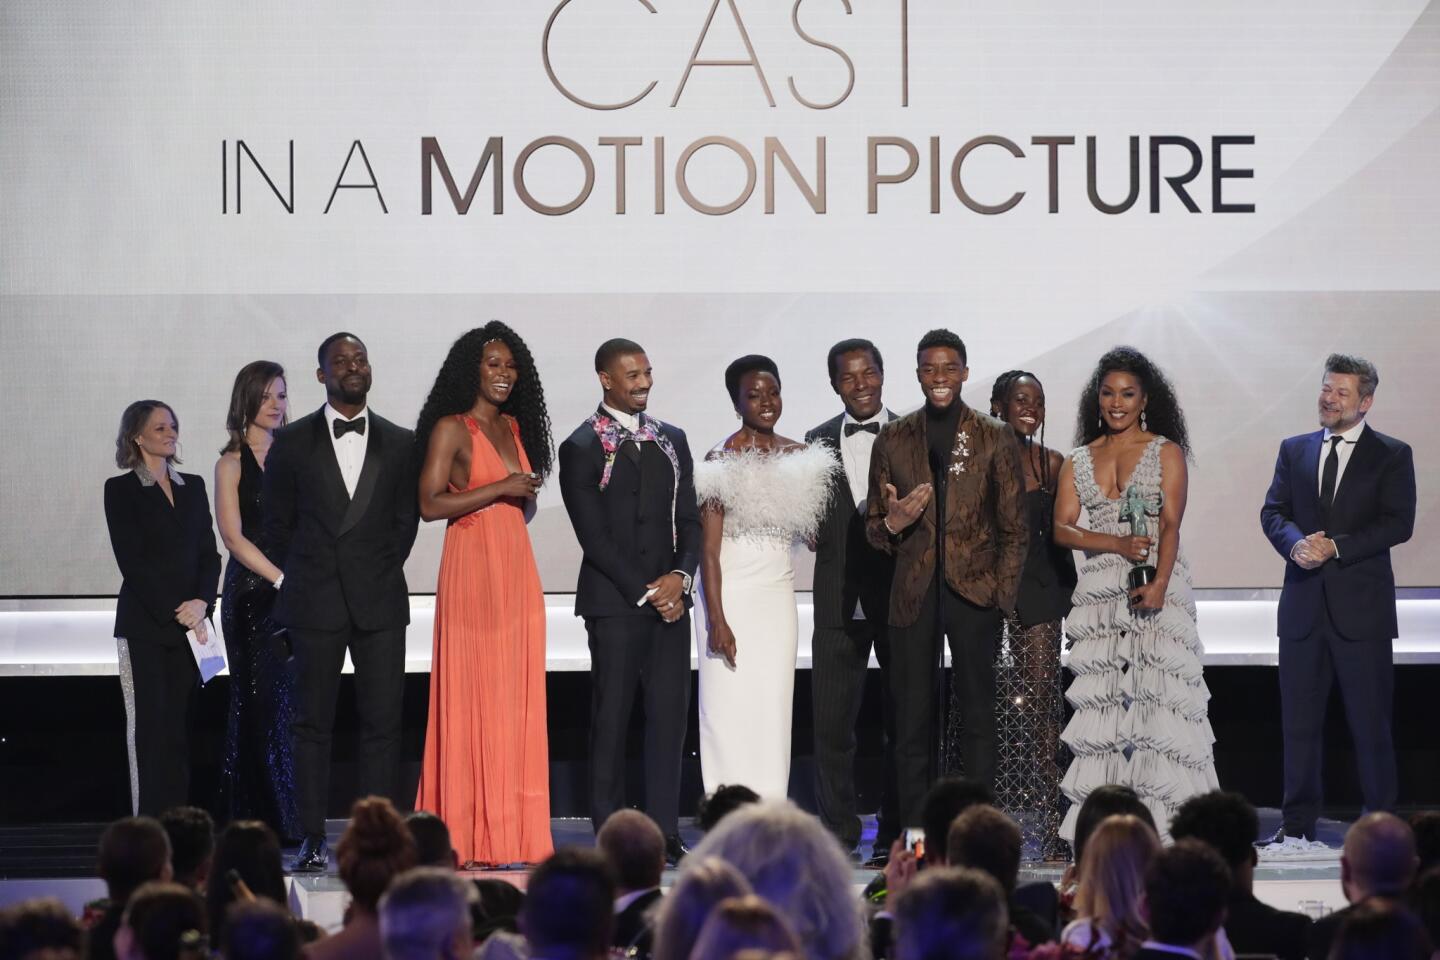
(1379, 857)
(635, 848)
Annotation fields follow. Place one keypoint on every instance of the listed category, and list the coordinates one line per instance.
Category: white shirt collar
(1170, 948)
(623, 903)
(331, 414)
(630, 421)
(1349, 436)
(879, 418)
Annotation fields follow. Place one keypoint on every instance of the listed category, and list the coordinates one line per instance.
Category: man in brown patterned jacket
(948, 459)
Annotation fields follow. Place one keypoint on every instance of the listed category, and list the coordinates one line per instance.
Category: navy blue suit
(1339, 620)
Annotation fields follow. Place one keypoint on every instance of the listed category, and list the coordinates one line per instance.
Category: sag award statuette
(1138, 508)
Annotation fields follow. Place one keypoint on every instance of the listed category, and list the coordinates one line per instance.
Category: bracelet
(886, 522)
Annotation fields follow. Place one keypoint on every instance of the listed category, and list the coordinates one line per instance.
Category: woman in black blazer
(161, 532)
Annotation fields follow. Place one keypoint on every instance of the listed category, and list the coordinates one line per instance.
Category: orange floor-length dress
(486, 770)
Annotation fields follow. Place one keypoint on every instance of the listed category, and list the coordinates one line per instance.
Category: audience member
(258, 930)
(432, 840)
(744, 923)
(1378, 862)
(374, 849)
(40, 929)
(1186, 887)
(1380, 929)
(702, 884)
(1228, 823)
(727, 798)
(951, 913)
(1426, 827)
(946, 800)
(163, 921)
(985, 839)
(425, 915)
(569, 907)
(1108, 916)
(1104, 801)
(635, 849)
(1425, 901)
(495, 909)
(192, 844)
(792, 861)
(247, 850)
(133, 851)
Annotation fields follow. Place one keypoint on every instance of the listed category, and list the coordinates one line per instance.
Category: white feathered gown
(771, 501)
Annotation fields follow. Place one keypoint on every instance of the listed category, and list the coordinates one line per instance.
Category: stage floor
(58, 860)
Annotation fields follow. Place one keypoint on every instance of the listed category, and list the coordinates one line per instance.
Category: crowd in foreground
(767, 881)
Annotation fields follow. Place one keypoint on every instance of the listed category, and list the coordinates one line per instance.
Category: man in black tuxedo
(628, 485)
(340, 518)
(1341, 498)
(852, 598)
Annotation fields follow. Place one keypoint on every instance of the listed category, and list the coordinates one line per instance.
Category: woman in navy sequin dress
(257, 780)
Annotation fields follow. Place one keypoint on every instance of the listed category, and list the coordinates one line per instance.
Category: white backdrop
(121, 277)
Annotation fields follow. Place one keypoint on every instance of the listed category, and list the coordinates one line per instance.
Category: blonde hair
(1112, 878)
(703, 884)
(744, 923)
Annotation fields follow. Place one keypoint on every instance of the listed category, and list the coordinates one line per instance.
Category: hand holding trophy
(1140, 509)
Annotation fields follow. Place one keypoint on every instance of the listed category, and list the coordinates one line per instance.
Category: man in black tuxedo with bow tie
(852, 599)
(1341, 498)
(341, 514)
(627, 480)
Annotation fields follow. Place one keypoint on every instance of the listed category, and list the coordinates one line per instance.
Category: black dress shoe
(1279, 837)
(675, 850)
(314, 856)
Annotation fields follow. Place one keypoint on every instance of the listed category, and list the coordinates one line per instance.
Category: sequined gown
(257, 777)
(1139, 697)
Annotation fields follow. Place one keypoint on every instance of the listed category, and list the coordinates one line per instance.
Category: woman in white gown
(1139, 697)
(759, 494)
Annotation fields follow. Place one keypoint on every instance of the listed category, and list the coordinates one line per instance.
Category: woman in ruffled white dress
(1139, 697)
(760, 494)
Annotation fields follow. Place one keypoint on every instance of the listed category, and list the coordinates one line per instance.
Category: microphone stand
(939, 735)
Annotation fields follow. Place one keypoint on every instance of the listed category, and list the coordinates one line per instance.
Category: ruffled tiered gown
(771, 501)
(1139, 697)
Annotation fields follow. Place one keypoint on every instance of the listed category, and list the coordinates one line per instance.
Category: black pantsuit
(914, 674)
(167, 556)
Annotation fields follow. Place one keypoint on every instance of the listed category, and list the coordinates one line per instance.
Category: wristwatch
(687, 581)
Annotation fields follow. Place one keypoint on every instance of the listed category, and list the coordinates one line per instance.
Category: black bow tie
(871, 427)
(343, 427)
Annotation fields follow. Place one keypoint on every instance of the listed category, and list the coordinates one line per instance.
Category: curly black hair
(1162, 409)
(458, 384)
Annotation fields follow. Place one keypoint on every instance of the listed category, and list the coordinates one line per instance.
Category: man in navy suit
(1341, 498)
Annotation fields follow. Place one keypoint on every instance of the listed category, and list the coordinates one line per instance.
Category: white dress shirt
(349, 449)
(1342, 453)
(855, 451)
(630, 421)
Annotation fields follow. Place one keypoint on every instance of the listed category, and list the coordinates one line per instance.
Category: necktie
(1327, 476)
(343, 427)
(853, 428)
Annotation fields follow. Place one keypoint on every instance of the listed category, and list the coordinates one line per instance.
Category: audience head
(951, 913)
(1112, 876)
(432, 840)
(192, 844)
(792, 861)
(259, 398)
(250, 849)
(744, 923)
(726, 799)
(1106, 801)
(702, 884)
(1379, 857)
(425, 915)
(374, 849)
(569, 906)
(147, 426)
(1226, 821)
(40, 929)
(946, 800)
(133, 850)
(1425, 898)
(162, 921)
(1380, 930)
(1186, 887)
(635, 848)
(985, 839)
(259, 930)
(496, 907)
(1426, 827)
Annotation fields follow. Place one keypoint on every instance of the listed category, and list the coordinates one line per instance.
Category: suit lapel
(369, 472)
(952, 489)
(333, 481)
(1310, 469)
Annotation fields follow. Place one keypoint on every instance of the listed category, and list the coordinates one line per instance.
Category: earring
(1143, 426)
(1100, 422)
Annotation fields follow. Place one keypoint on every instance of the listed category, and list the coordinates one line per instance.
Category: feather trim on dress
(769, 496)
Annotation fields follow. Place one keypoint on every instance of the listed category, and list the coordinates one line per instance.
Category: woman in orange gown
(486, 441)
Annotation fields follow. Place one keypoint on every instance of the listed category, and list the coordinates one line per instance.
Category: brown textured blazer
(986, 527)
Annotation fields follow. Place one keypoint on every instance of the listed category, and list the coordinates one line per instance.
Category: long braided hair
(458, 384)
(1000, 397)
